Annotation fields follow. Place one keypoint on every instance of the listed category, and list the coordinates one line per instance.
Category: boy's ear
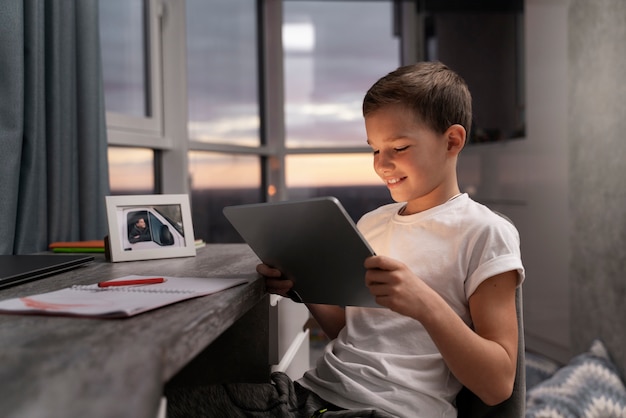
(455, 135)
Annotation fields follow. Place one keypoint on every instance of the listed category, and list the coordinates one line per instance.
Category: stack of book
(94, 246)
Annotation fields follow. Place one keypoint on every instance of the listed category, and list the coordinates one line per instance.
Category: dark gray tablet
(314, 242)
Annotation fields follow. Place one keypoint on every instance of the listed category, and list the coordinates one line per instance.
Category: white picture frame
(145, 227)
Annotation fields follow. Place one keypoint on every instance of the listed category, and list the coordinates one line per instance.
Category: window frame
(126, 130)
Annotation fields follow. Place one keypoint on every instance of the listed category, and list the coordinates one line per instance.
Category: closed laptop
(15, 269)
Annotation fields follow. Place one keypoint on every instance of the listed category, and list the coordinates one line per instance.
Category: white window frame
(129, 130)
(165, 131)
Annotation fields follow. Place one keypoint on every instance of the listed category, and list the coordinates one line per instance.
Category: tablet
(314, 242)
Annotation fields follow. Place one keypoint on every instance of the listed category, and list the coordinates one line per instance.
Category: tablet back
(314, 242)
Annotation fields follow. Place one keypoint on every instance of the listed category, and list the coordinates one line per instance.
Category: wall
(597, 123)
(528, 179)
(563, 185)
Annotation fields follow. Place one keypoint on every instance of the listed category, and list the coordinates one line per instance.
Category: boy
(445, 272)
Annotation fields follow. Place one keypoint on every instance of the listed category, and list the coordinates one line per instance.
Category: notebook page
(120, 301)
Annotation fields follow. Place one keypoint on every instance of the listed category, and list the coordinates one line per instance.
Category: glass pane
(123, 56)
(222, 71)
(348, 177)
(131, 171)
(334, 51)
(219, 180)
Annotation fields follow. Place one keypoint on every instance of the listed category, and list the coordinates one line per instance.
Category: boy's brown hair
(438, 96)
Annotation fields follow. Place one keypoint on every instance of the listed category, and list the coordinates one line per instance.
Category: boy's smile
(416, 163)
(392, 182)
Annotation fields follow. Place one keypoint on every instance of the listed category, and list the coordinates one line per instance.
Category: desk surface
(77, 367)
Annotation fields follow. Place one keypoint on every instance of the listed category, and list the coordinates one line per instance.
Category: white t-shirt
(387, 361)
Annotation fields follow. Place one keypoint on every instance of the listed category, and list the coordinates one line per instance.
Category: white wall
(527, 179)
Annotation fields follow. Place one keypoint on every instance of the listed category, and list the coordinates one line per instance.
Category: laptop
(16, 269)
(313, 242)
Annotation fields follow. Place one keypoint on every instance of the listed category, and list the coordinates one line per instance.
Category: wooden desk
(81, 367)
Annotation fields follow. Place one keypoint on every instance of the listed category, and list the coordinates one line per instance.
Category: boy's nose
(384, 162)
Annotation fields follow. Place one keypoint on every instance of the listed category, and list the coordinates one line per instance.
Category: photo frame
(144, 227)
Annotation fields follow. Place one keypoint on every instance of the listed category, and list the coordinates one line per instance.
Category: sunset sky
(328, 67)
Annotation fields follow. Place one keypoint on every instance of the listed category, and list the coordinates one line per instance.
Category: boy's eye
(400, 149)
(375, 151)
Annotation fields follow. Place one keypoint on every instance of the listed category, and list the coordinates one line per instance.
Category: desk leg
(240, 354)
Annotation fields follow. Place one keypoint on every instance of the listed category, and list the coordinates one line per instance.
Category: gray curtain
(53, 148)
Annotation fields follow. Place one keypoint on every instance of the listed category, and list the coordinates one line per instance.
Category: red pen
(132, 282)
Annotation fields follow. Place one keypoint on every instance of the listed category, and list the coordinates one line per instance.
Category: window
(219, 180)
(131, 171)
(129, 34)
(124, 66)
(223, 102)
(131, 67)
(203, 98)
(330, 64)
(222, 74)
(327, 175)
(328, 68)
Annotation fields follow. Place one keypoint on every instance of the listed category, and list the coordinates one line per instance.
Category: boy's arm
(484, 359)
(331, 318)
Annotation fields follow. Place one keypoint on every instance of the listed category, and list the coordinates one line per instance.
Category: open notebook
(117, 301)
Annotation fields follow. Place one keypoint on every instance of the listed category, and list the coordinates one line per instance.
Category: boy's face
(414, 161)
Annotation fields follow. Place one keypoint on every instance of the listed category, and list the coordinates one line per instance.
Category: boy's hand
(395, 286)
(274, 283)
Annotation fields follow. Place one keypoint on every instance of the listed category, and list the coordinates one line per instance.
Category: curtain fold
(53, 162)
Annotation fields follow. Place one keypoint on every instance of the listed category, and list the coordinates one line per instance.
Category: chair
(470, 406)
